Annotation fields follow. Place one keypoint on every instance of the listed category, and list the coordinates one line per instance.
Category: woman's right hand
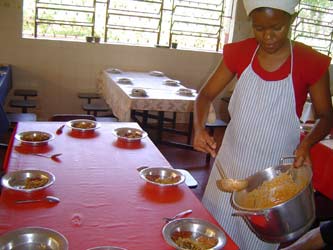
(203, 142)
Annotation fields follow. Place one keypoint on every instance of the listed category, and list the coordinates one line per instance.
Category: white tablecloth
(308, 114)
(160, 97)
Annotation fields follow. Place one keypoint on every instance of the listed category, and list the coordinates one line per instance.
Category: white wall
(59, 70)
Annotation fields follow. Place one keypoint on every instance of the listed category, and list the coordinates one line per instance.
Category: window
(314, 25)
(195, 25)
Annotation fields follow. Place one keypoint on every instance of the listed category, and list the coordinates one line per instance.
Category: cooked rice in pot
(273, 192)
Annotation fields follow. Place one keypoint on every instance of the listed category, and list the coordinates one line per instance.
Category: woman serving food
(274, 75)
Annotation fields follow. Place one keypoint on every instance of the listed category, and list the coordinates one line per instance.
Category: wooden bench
(95, 108)
(89, 96)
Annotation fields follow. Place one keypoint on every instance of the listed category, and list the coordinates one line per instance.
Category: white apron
(264, 127)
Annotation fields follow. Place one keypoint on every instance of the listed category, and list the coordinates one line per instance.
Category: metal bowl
(107, 248)
(17, 180)
(34, 138)
(129, 134)
(193, 228)
(171, 82)
(124, 80)
(37, 238)
(114, 71)
(83, 125)
(156, 73)
(164, 177)
(186, 92)
(138, 92)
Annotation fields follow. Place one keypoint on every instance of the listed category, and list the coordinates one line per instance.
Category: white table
(160, 97)
(308, 113)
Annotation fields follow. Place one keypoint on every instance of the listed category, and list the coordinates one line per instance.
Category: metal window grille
(133, 22)
(193, 24)
(64, 19)
(197, 23)
(313, 26)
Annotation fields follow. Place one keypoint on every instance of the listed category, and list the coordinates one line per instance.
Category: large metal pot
(283, 222)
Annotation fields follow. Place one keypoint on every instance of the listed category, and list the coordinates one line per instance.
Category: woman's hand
(204, 142)
(302, 155)
(310, 241)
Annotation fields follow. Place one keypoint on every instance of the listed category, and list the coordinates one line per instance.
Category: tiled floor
(193, 161)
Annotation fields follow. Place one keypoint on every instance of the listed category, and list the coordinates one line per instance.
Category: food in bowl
(27, 180)
(133, 134)
(190, 241)
(273, 192)
(129, 134)
(37, 182)
(84, 124)
(35, 136)
(164, 180)
(162, 176)
(193, 234)
(37, 238)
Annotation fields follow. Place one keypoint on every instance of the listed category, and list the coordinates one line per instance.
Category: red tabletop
(103, 199)
(322, 163)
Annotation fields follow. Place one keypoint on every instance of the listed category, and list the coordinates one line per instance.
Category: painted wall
(59, 70)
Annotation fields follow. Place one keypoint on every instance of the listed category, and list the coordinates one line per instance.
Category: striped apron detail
(264, 127)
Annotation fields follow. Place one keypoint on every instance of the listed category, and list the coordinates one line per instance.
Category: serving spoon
(179, 215)
(227, 184)
(49, 198)
(53, 157)
(59, 130)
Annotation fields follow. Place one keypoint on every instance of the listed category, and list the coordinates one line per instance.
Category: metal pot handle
(246, 213)
(285, 158)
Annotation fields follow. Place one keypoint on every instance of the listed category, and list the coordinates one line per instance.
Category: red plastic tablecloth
(103, 199)
(322, 164)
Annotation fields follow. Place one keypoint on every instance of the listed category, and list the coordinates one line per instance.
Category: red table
(103, 199)
(322, 163)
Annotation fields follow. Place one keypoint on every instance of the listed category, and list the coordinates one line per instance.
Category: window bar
(42, 5)
(133, 13)
(36, 15)
(171, 21)
(160, 23)
(221, 27)
(106, 21)
(212, 8)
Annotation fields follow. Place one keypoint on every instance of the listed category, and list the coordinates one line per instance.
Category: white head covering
(285, 5)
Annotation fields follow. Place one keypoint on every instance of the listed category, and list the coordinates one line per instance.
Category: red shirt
(308, 66)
